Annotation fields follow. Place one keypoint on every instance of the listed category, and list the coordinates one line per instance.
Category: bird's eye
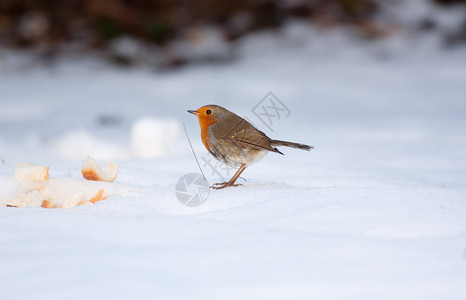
(208, 111)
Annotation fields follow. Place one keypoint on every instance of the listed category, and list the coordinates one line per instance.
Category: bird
(234, 141)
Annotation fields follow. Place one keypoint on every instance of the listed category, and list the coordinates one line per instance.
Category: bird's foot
(222, 185)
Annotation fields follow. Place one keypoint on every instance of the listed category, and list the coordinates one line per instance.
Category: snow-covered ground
(376, 211)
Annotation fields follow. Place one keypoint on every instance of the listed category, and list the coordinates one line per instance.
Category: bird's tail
(292, 145)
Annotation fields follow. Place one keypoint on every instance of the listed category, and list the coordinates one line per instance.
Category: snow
(152, 137)
(376, 210)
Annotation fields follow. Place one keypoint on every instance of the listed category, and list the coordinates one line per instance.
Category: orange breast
(205, 123)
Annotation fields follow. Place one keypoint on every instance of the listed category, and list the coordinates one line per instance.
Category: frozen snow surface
(376, 211)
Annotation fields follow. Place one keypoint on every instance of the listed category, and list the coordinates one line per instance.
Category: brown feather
(292, 145)
(241, 132)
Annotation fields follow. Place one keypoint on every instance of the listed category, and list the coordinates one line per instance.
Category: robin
(234, 141)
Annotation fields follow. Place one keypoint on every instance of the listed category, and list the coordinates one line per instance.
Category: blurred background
(166, 34)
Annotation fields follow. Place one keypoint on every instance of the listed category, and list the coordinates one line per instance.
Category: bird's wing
(243, 134)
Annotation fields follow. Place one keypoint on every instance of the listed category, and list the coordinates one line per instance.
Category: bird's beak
(194, 112)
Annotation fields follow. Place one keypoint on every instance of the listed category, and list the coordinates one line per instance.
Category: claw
(222, 185)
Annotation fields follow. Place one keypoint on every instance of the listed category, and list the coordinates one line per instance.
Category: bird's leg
(232, 181)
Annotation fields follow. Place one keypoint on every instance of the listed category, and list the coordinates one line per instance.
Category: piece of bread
(47, 204)
(70, 193)
(92, 171)
(99, 196)
(25, 171)
(31, 186)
